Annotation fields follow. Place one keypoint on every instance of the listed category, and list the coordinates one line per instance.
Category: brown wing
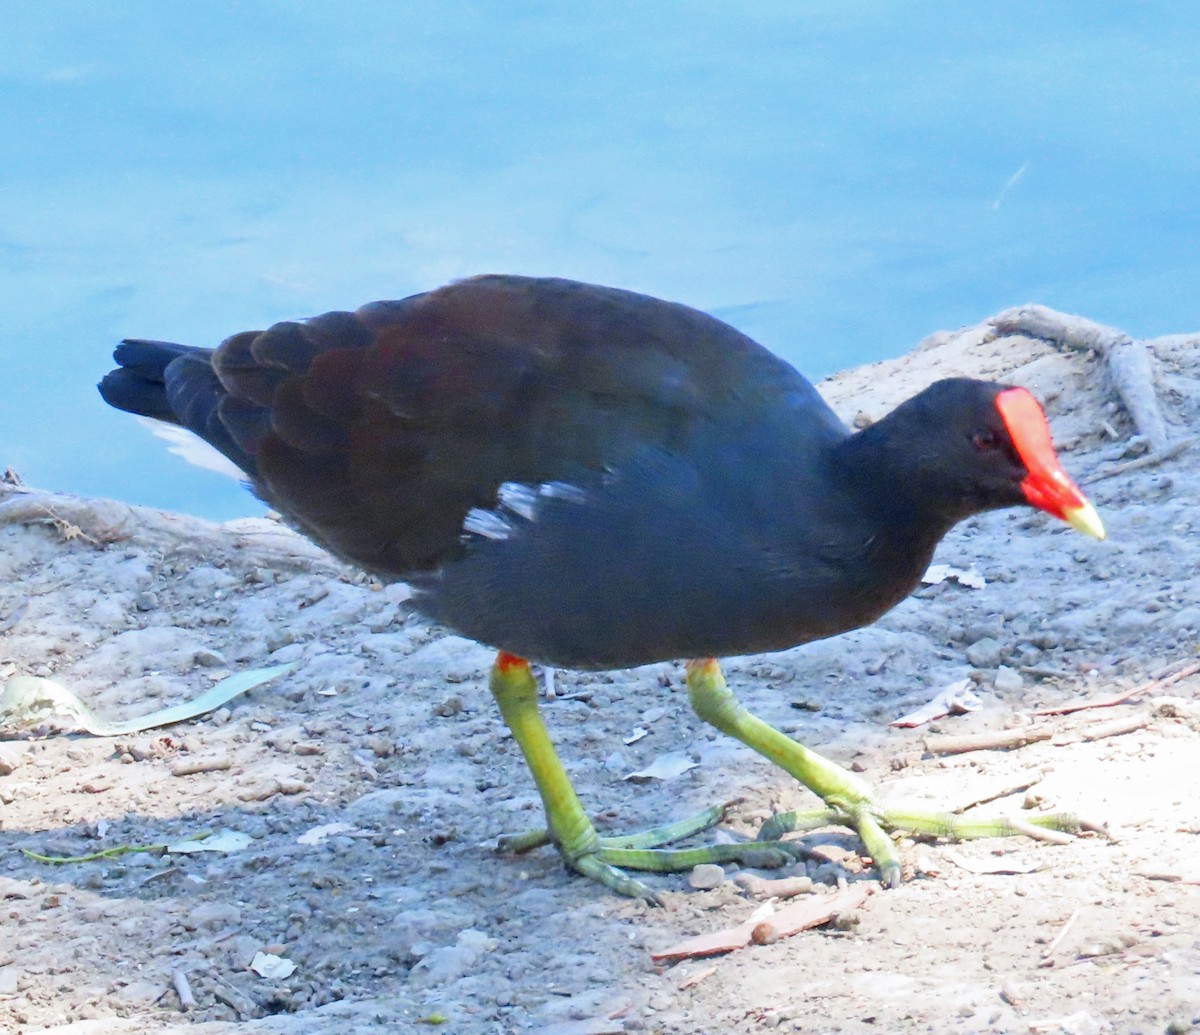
(377, 431)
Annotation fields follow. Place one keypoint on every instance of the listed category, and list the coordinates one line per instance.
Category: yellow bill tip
(1085, 519)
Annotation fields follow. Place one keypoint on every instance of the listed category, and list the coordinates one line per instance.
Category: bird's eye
(984, 440)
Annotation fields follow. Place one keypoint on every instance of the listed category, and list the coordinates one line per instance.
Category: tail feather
(176, 384)
(138, 385)
(148, 358)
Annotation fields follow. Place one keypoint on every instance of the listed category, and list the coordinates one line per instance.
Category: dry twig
(15, 615)
(1052, 948)
(996, 740)
(1129, 362)
(695, 979)
(997, 792)
(1117, 727)
(1032, 830)
(1164, 677)
(764, 888)
(799, 916)
(1142, 462)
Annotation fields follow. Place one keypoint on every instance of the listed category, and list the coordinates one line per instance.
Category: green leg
(569, 827)
(849, 800)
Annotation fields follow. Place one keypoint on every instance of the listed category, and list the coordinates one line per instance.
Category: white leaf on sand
(635, 736)
(996, 866)
(665, 767)
(762, 912)
(272, 967)
(955, 699)
(938, 573)
(221, 841)
(317, 835)
(25, 700)
(1081, 1023)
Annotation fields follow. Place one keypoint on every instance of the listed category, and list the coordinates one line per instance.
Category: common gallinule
(594, 479)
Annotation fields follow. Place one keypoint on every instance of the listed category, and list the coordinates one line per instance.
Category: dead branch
(995, 740)
(1129, 362)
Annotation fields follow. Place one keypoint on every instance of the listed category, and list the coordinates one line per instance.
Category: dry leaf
(665, 767)
(998, 867)
(317, 835)
(938, 573)
(275, 968)
(956, 699)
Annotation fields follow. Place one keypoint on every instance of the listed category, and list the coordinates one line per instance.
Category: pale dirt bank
(407, 916)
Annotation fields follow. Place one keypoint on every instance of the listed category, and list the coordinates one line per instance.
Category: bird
(589, 478)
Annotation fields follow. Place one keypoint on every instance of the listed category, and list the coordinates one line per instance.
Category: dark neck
(884, 477)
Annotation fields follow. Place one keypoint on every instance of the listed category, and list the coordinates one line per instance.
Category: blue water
(836, 179)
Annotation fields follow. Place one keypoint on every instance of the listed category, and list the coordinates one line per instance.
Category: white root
(1130, 366)
(1129, 362)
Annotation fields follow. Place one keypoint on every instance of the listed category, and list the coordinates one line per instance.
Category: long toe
(878, 826)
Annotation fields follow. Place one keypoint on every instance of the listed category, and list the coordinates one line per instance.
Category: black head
(962, 446)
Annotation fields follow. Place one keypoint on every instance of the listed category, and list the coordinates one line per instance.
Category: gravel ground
(375, 778)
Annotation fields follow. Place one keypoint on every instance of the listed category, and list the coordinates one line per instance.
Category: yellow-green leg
(568, 826)
(849, 800)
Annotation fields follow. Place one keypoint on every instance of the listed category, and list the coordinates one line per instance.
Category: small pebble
(308, 748)
(449, 963)
(1134, 621)
(1136, 446)
(260, 791)
(1008, 680)
(212, 915)
(191, 766)
(380, 747)
(706, 876)
(984, 653)
(451, 706)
